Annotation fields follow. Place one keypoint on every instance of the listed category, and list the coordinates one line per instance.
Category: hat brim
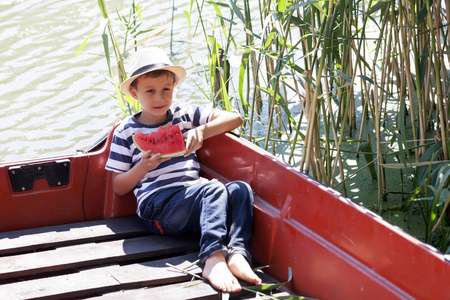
(179, 71)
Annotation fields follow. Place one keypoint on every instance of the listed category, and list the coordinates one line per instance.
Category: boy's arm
(127, 181)
(220, 122)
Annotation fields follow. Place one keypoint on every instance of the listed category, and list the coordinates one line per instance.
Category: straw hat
(147, 60)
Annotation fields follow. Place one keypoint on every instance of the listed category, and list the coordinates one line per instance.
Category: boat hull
(332, 247)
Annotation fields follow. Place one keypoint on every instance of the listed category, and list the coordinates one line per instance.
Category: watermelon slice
(168, 141)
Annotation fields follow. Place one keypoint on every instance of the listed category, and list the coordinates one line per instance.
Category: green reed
(117, 47)
(308, 69)
(313, 55)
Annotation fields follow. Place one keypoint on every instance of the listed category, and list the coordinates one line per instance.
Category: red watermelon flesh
(168, 141)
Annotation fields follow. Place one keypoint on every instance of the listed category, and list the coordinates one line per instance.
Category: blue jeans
(222, 213)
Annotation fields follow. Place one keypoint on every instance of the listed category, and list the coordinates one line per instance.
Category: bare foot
(218, 274)
(240, 268)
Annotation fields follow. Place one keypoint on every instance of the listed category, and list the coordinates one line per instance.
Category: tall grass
(321, 77)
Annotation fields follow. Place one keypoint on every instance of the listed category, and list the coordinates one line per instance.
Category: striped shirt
(178, 171)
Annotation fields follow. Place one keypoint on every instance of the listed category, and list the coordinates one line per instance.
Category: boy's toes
(240, 268)
(217, 273)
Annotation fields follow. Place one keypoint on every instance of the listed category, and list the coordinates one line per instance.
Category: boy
(172, 197)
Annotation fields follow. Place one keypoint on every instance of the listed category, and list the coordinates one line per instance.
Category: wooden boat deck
(113, 258)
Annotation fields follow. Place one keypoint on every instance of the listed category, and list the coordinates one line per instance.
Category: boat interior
(308, 235)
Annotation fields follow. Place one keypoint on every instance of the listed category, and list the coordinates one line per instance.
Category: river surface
(53, 102)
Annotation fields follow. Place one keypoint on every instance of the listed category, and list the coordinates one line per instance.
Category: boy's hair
(153, 74)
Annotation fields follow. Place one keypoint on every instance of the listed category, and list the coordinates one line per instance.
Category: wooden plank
(194, 290)
(179, 291)
(92, 254)
(186, 290)
(69, 234)
(156, 272)
(74, 285)
(103, 279)
(254, 296)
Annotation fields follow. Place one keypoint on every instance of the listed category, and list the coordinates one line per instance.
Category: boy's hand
(194, 140)
(126, 181)
(149, 162)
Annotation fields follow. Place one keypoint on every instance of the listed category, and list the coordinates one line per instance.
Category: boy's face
(155, 96)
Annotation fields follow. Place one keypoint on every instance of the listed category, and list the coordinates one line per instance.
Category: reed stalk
(322, 47)
(310, 69)
(117, 47)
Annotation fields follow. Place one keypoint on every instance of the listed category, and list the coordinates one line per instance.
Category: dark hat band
(148, 68)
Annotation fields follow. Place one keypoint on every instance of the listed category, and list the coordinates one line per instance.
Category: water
(54, 103)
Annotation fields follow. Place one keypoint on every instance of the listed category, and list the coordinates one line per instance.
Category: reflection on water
(53, 103)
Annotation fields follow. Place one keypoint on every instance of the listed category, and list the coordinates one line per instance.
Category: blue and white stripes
(178, 171)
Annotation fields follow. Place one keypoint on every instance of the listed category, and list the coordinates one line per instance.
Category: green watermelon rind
(172, 154)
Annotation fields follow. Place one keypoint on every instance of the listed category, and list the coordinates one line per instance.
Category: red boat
(65, 234)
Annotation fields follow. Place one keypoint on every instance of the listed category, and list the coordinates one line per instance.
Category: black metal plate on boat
(23, 177)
